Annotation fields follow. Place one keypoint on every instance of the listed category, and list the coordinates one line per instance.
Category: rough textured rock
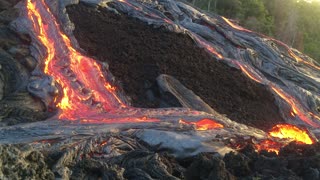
(114, 156)
(207, 166)
(22, 163)
(239, 165)
(186, 97)
(147, 163)
(16, 103)
(94, 169)
(1, 84)
(4, 4)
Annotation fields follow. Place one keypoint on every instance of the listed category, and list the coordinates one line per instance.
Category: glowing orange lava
(284, 131)
(247, 73)
(208, 47)
(268, 145)
(291, 132)
(88, 91)
(291, 53)
(295, 110)
(203, 124)
(290, 100)
(298, 59)
(235, 26)
(103, 143)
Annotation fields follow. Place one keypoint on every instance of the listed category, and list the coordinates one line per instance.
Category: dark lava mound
(138, 53)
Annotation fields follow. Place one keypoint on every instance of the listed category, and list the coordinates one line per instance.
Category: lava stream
(295, 109)
(85, 89)
(286, 132)
(291, 132)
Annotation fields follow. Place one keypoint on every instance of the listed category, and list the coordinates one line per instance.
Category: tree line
(295, 22)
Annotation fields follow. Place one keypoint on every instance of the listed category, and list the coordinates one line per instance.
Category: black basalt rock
(207, 166)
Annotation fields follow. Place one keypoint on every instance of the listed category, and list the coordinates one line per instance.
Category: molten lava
(290, 100)
(284, 131)
(235, 26)
(300, 60)
(209, 47)
(203, 124)
(290, 52)
(295, 110)
(85, 88)
(247, 73)
(291, 132)
(268, 145)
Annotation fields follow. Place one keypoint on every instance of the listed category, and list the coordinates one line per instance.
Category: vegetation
(295, 22)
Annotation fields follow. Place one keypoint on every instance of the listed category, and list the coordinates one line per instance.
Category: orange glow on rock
(300, 60)
(247, 73)
(234, 26)
(291, 132)
(315, 116)
(103, 143)
(295, 110)
(290, 100)
(203, 124)
(269, 145)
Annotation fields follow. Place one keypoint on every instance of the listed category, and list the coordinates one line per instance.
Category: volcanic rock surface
(137, 54)
(17, 105)
(138, 161)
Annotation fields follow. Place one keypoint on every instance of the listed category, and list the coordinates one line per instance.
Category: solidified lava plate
(130, 89)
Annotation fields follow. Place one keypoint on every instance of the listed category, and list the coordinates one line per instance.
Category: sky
(308, 0)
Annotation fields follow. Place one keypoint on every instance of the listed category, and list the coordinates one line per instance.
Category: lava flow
(291, 132)
(286, 132)
(85, 89)
(203, 124)
(290, 52)
(295, 110)
(235, 26)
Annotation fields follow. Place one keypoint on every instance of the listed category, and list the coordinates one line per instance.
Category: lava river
(85, 89)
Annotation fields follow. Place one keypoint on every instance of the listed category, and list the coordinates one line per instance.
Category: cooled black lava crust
(138, 53)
